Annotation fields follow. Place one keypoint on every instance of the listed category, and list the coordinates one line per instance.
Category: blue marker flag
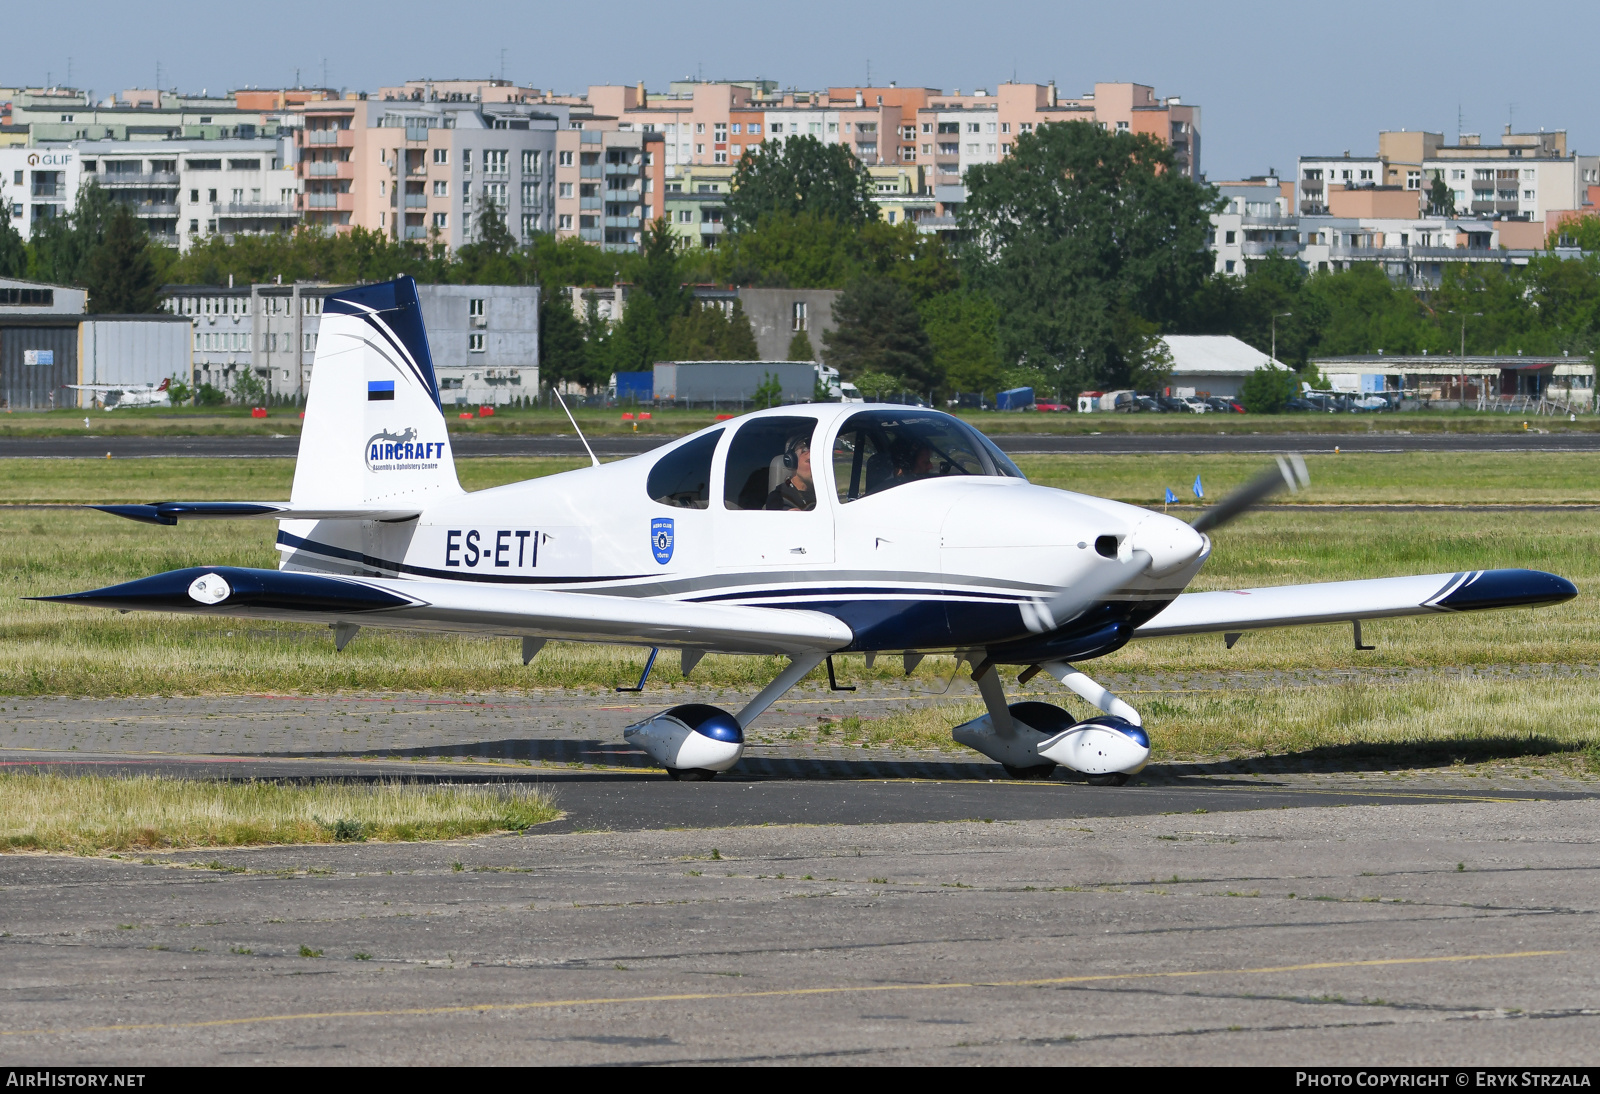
(1171, 497)
(1199, 491)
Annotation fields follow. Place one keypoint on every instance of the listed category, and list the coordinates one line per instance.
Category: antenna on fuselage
(592, 457)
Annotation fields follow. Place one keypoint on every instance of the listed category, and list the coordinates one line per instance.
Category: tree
(1266, 389)
(800, 347)
(121, 277)
(637, 342)
(60, 247)
(878, 330)
(1441, 199)
(708, 333)
(1075, 226)
(964, 335)
(659, 279)
(13, 251)
(1147, 362)
(561, 349)
(800, 175)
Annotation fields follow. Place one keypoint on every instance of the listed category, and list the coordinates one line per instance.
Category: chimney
(1052, 93)
(859, 100)
(641, 94)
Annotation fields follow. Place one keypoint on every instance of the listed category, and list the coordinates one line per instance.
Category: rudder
(374, 430)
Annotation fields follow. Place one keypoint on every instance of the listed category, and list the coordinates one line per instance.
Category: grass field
(193, 421)
(94, 814)
(51, 649)
(1422, 478)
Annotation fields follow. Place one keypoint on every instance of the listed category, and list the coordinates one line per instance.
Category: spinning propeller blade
(1070, 603)
(1289, 474)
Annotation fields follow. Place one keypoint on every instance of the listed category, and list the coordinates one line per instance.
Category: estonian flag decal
(380, 390)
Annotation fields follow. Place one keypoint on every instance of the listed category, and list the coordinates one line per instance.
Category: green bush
(1266, 390)
(209, 395)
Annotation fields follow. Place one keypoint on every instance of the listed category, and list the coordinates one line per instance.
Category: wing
(447, 606)
(170, 512)
(1344, 601)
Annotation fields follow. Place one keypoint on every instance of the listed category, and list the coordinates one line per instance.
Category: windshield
(877, 450)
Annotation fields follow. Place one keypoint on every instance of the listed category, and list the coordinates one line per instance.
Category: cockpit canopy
(874, 451)
(877, 450)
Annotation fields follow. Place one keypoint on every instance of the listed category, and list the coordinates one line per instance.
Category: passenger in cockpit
(797, 492)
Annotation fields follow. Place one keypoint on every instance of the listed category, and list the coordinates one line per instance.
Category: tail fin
(374, 431)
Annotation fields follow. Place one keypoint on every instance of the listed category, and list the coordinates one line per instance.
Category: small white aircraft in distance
(115, 396)
(800, 531)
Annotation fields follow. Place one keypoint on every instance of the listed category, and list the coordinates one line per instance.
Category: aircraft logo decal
(661, 539)
(401, 452)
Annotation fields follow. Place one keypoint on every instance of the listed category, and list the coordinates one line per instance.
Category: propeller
(1133, 560)
(1289, 474)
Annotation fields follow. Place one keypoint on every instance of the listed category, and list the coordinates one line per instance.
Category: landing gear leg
(998, 735)
(694, 742)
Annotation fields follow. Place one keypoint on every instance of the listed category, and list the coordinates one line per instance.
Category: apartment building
(461, 91)
(1257, 219)
(708, 125)
(37, 184)
(185, 192)
(419, 169)
(610, 184)
(1527, 176)
(484, 339)
(63, 114)
(694, 201)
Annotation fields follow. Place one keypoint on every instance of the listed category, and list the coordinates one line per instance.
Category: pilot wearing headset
(798, 491)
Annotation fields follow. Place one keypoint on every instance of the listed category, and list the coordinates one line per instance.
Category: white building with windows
(182, 191)
(484, 339)
(38, 184)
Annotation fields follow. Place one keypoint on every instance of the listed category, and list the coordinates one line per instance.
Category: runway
(468, 446)
(824, 903)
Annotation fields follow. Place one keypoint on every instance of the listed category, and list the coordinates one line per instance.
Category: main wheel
(1038, 771)
(1118, 779)
(698, 774)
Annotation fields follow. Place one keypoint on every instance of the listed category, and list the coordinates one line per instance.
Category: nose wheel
(690, 774)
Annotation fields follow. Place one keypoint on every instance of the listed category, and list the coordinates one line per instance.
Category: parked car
(1225, 404)
(1142, 403)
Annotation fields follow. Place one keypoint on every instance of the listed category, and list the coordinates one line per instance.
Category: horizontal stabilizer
(449, 606)
(1347, 601)
(170, 512)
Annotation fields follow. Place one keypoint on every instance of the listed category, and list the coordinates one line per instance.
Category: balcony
(622, 222)
(254, 209)
(1260, 249)
(416, 201)
(589, 171)
(622, 168)
(1370, 254)
(413, 232)
(166, 239)
(1270, 220)
(345, 137)
(417, 133)
(329, 169)
(629, 196)
(589, 235)
(154, 178)
(345, 202)
(590, 203)
(154, 210)
(1311, 186)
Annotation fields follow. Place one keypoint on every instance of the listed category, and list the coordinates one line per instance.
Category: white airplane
(911, 534)
(114, 396)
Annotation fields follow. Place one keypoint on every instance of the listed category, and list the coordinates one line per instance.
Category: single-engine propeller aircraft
(116, 396)
(801, 531)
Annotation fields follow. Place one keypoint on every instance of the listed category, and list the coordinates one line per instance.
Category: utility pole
(1275, 318)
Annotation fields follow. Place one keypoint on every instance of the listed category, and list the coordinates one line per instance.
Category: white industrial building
(1212, 364)
(484, 339)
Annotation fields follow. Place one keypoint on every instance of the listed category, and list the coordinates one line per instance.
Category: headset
(791, 451)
